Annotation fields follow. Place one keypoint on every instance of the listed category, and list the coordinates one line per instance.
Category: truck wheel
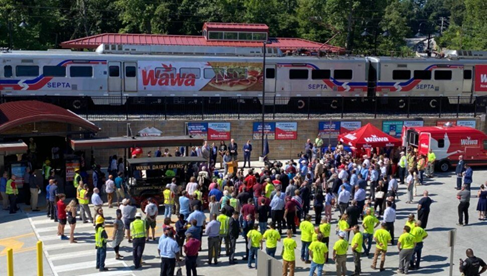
(445, 166)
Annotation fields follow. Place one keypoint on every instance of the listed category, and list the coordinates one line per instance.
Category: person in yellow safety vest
(421, 166)
(12, 192)
(198, 194)
(100, 244)
(235, 203)
(46, 172)
(431, 163)
(76, 178)
(168, 202)
(138, 233)
(83, 203)
(224, 233)
(402, 167)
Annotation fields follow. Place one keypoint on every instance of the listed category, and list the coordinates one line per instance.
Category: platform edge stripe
(89, 264)
(67, 244)
(54, 228)
(118, 272)
(84, 253)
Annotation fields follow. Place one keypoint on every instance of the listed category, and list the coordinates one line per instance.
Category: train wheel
(433, 103)
(301, 104)
(444, 166)
(402, 103)
(77, 104)
(334, 104)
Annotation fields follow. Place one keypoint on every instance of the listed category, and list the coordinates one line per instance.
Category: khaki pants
(341, 264)
(5, 201)
(382, 258)
(288, 265)
(110, 199)
(33, 198)
(120, 195)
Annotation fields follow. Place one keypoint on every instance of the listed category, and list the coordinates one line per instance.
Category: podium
(232, 166)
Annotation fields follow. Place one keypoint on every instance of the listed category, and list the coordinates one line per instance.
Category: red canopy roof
(368, 136)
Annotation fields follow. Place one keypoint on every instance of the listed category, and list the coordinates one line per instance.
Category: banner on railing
(329, 129)
(443, 123)
(349, 126)
(286, 130)
(393, 128)
(198, 130)
(269, 130)
(413, 123)
(219, 131)
(467, 123)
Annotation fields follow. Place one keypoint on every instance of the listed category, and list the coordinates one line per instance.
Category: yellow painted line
(11, 244)
(22, 250)
(17, 237)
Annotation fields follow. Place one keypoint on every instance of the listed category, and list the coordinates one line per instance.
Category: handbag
(379, 195)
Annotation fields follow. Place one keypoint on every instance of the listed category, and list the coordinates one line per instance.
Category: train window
(320, 74)
(130, 72)
(215, 35)
(401, 75)
(209, 73)
(443, 75)
(7, 71)
(422, 75)
(298, 74)
(186, 71)
(230, 35)
(270, 73)
(165, 70)
(245, 36)
(81, 71)
(114, 71)
(54, 71)
(467, 74)
(343, 74)
(485, 144)
(27, 71)
(441, 143)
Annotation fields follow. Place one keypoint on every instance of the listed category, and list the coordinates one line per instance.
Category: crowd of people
(356, 194)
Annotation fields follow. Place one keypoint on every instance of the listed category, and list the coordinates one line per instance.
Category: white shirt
(96, 199)
(389, 214)
(409, 179)
(344, 196)
(191, 187)
(343, 174)
(366, 163)
(151, 209)
(109, 186)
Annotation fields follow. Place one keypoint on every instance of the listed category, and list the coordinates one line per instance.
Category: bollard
(10, 262)
(40, 269)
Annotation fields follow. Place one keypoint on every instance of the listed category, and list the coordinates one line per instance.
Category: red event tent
(368, 136)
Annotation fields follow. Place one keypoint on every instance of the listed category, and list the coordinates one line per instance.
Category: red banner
(481, 78)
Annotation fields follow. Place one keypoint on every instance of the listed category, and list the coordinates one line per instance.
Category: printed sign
(218, 131)
(413, 123)
(443, 123)
(393, 128)
(199, 76)
(71, 165)
(467, 123)
(286, 130)
(481, 78)
(198, 130)
(329, 129)
(269, 130)
(18, 169)
(349, 126)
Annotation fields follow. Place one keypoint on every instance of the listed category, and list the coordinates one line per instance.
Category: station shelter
(33, 134)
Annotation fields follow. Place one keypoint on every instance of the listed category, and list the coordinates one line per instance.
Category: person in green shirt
(405, 245)
(382, 237)
(357, 242)
(269, 188)
(343, 225)
(318, 251)
(271, 237)
(255, 238)
(411, 222)
(307, 230)
(369, 223)
(325, 229)
(340, 254)
(288, 256)
(419, 235)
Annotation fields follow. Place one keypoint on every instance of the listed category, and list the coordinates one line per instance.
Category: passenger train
(126, 71)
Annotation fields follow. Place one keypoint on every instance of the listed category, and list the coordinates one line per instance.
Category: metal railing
(210, 108)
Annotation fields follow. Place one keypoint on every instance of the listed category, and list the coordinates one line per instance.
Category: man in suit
(459, 171)
(232, 148)
(247, 148)
(234, 231)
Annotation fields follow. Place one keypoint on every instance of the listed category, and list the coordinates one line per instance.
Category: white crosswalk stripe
(78, 258)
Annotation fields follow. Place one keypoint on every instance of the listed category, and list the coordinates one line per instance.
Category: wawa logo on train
(167, 77)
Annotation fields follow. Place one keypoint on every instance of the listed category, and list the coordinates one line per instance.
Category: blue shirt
(168, 248)
(277, 203)
(353, 180)
(195, 231)
(198, 216)
(359, 195)
(52, 193)
(3, 184)
(468, 176)
(347, 187)
(118, 182)
(213, 229)
(184, 205)
(374, 175)
(217, 193)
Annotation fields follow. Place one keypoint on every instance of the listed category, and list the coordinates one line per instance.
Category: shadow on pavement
(440, 229)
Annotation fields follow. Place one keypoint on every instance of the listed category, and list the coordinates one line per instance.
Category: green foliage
(53, 21)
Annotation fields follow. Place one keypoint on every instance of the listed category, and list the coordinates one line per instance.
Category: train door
(467, 80)
(114, 77)
(372, 77)
(270, 81)
(130, 77)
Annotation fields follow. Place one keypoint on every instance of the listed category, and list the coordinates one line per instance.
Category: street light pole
(263, 95)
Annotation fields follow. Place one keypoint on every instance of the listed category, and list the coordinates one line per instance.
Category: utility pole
(263, 95)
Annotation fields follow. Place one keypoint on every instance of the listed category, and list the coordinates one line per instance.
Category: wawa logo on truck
(165, 76)
(468, 142)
